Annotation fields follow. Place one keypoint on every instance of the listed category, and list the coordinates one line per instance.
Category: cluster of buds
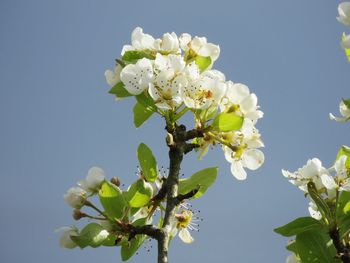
(173, 75)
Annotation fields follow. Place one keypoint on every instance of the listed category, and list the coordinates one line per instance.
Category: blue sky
(57, 119)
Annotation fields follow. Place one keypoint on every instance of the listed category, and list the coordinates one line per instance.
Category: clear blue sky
(57, 119)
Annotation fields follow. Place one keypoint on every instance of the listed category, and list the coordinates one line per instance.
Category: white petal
(345, 43)
(253, 158)
(210, 50)
(292, 259)
(249, 103)
(340, 164)
(185, 236)
(344, 110)
(311, 169)
(238, 171)
(338, 119)
(328, 181)
(344, 13)
(140, 40)
(184, 39)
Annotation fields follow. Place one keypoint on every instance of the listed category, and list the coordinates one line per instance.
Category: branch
(148, 230)
(188, 195)
(343, 252)
(195, 133)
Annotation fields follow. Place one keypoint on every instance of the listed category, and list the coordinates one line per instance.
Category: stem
(343, 252)
(176, 153)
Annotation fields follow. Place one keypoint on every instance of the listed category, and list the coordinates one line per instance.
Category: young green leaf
(347, 50)
(146, 101)
(134, 55)
(112, 200)
(202, 62)
(346, 102)
(139, 193)
(344, 150)
(298, 226)
(225, 122)
(130, 248)
(93, 235)
(314, 247)
(202, 179)
(320, 203)
(148, 162)
(119, 90)
(141, 114)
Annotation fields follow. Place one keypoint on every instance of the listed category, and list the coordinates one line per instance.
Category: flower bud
(75, 197)
(77, 214)
(116, 181)
(65, 239)
(93, 180)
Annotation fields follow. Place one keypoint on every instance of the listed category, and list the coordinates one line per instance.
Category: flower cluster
(326, 182)
(344, 18)
(173, 75)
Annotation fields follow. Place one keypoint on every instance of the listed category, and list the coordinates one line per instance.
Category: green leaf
(129, 249)
(298, 226)
(145, 100)
(347, 50)
(141, 114)
(202, 62)
(292, 247)
(343, 204)
(344, 150)
(112, 200)
(314, 246)
(134, 55)
(347, 103)
(344, 225)
(320, 203)
(120, 91)
(202, 179)
(207, 114)
(225, 122)
(148, 162)
(93, 235)
(139, 193)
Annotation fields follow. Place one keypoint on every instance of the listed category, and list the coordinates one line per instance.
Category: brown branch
(190, 194)
(195, 133)
(343, 252)
(148, 230)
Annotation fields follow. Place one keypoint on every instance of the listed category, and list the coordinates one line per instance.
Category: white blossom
(164, 90)
(113, 77)
(245, 154)
(65, 239)
(310, 172)
(137, 77)
(238, 98)
(313, 210)
(199, 46)
(344, 13)
(344, 111)
(184, 223)
(93, 180)
(200, 91)
(342, 173)
(75, 197)
(170, 43)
